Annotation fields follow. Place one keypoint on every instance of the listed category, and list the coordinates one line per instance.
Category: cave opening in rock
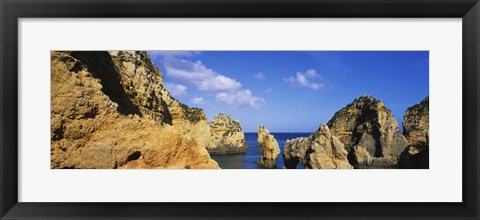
(134, 156)
(378, 146)
(101, 66)
(292, 163)
(167, 116)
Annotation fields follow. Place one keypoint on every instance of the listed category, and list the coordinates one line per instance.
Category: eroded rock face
(416, 123)
(361, 159)
(227, 136)
(321, 150)
(269, 146)
(368, 124)
(326, 151)
(294, 152)
(416, 130)
(142, 81)
(110, 110)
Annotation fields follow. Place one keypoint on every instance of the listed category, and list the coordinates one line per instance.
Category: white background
(441, 183)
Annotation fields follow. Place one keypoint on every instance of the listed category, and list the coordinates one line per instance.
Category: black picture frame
(12, 10)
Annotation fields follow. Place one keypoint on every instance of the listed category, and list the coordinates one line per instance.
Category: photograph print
(239, 110)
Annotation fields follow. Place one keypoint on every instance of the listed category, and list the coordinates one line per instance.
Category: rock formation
(227, 136)
(362, 159)
(110, 110)
(269, 146)
(294, 152)
(416, 130)
(321, 150)
(326, 151)
(369, 132)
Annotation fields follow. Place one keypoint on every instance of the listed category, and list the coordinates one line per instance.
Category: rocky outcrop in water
(110, 110)
(368, 130)
(326, 151)
(416, 130)
(269, 146)
(362, 159)
(227, 136)
(321, 150)
(294, 152)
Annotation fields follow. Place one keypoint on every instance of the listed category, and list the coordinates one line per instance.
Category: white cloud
(198, 74)
(304, 79)
(154, 54)
(219, 82)
(240, 99)
(226, 89)
(269, 90)
(311, 73)
(176, 90)
(260, 76)
(198, 101)
(187, 71)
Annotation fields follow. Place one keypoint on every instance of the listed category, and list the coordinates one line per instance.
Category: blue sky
(292, 91)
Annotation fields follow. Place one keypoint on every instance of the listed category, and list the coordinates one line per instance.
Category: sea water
(248, 160)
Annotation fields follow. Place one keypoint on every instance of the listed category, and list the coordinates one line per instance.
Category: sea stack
(227, 136)
(416, 130)
(294, 152)
(110, 110)
(369, 132)
(269, 147)
(321, 150)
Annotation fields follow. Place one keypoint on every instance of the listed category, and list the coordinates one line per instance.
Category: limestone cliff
(416, 130)
(321, 150)
(369, 125)
(110, 110)
(269, 147)
(227, 136)
(144, 84)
